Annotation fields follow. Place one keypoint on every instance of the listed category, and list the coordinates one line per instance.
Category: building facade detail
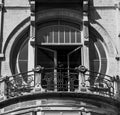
(59, 57)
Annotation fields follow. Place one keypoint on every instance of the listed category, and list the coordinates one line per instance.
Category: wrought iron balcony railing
(76, 80)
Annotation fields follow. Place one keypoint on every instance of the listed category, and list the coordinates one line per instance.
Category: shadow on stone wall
(93, 14)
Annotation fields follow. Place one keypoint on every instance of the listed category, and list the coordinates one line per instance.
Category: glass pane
(55, 35)
(94, 58)
(72, 36)
(52, 113)
(23, 58)
(24, 52)
(67, 37)
(45, 58)
(78, 37)
(70, 113)
(23, 68)
(61, 34)
(62, 58)
(43, 36)
(23, 65)
(50, 35)
(75, 58)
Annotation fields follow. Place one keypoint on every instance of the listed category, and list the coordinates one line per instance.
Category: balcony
(59, 80)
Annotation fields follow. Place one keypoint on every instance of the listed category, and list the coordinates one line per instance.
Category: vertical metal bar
(55, 71)
(80, 81)
(68, 72)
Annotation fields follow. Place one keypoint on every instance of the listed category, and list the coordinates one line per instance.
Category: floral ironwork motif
(66, 80)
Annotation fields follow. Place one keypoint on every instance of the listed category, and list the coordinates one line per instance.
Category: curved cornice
(61, 13)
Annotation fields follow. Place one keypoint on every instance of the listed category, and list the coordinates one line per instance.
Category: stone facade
(22, 20)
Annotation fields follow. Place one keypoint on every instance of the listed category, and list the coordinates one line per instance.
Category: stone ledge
(60, 95)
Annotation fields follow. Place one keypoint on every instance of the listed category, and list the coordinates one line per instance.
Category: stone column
(85, 34)
(31, 48)
(85, 37)
(85, 48)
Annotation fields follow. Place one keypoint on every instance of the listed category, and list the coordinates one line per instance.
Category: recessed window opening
(59, 48)
(59, 35)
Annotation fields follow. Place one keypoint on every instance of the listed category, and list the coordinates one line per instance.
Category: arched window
(22, 58)
(60, 44)
(59, 35)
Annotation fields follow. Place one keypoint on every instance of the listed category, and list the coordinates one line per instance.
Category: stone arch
(18, 32)
(107, 40)
(76, 16)
(46, 15)
(109, 47)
